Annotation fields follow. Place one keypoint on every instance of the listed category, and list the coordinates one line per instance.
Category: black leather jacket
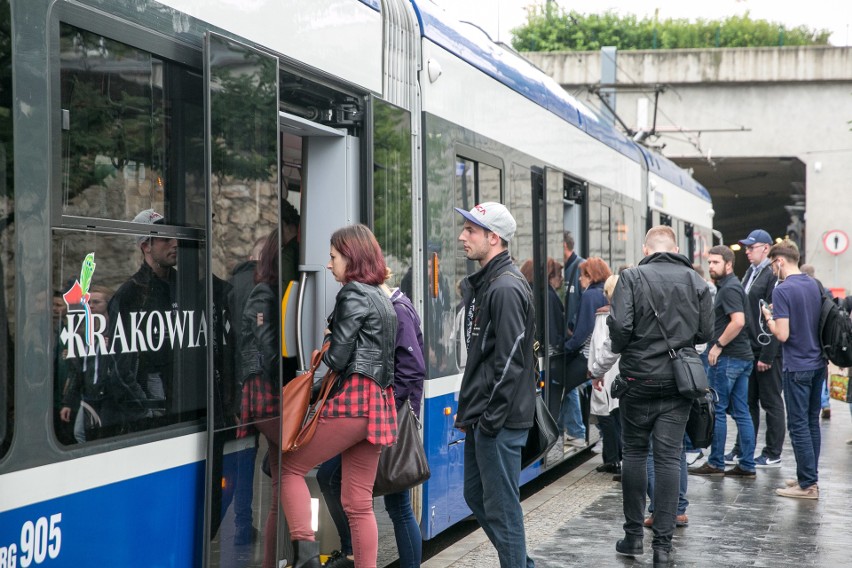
(686, 310)
(260, 346)
(363, 334)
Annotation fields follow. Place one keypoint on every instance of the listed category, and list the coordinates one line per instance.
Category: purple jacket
(409, 363)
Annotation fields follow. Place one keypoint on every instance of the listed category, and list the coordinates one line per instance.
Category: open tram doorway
(281, 178)
(754, 193)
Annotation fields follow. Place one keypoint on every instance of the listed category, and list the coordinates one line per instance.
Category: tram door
(255, 153)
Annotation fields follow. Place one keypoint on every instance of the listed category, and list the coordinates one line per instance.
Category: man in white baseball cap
(492, 217)
(497, 394)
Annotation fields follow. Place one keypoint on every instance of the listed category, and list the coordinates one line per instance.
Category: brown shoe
(682, 520)
(649, 522)
(826, 413)
(736, 471)
(797, 492)
(707, 470)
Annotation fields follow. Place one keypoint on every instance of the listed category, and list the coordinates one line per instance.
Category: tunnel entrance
(754, 193)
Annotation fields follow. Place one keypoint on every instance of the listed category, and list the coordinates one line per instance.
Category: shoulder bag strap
(647, 287)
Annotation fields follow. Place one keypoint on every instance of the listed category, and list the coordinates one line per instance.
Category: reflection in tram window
(131, 336)
(392, 203)
(7, 264)
(132, 132)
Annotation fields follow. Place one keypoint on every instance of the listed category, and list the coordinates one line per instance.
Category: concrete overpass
(766, 130)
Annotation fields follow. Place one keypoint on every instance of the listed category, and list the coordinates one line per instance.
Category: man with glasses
(764, 385)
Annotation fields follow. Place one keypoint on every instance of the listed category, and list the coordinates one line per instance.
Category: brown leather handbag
(299, 417)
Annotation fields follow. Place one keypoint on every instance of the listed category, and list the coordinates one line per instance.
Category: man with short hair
(570, 413)
(573, 291)
(652, 406)
(497, 394)
(730, 360)
(764, 384)
(794, 321)
(152, 289)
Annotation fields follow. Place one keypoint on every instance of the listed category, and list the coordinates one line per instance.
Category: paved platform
(732, 522)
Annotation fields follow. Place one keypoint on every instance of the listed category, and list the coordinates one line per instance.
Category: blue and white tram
(121, 436)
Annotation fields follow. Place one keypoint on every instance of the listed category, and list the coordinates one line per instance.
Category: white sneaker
(692, 457)
(575, 442)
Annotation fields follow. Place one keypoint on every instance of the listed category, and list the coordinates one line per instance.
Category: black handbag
(542, 436)
(701, 421)
(403, 465)
(690, 376)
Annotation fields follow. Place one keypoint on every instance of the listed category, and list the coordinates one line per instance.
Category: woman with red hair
(360, 415)
(593, 273)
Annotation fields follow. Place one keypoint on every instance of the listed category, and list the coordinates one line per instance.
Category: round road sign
(835, 242)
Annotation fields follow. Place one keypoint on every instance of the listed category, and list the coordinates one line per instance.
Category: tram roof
(475, 47)
(668, 170)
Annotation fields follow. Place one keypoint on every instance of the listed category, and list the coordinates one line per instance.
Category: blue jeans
(729, 377)
(825, 401)
(244, 489)
(409, 541)
(571, 416)
(652, 409)
(802, 397)
(492, 467)
(682, 501)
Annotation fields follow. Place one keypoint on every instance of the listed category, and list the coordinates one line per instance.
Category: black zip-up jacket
(761, 289)
(686, 310)
(498, 386)
(363, 334)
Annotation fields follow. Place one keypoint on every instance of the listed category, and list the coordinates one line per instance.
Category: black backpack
(835, 332)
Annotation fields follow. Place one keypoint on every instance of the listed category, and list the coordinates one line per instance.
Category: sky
(498, 17)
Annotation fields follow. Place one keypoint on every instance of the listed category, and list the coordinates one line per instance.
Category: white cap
(493, 217)
(148, 217)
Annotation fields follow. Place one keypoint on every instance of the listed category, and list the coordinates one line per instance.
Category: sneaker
(737, 471)
(692, 457)
(767, 462)
(826, 414)
(571, 441)
(707, 470)
(794, 483)
(609, 468)
(339, 560)
(797, 492)
(731, 458)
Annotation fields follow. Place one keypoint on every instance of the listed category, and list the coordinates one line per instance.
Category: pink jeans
(347, 437)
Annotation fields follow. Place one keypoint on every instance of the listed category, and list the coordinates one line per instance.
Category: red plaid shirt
(362, 396)
(260, 400)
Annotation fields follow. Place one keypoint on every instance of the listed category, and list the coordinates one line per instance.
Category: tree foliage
(553, 29)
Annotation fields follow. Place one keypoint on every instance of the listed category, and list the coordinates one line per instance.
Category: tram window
(466, 183)
(392, 204)
(488, 183)
(130, 348)
(132, 132)
(7, 264)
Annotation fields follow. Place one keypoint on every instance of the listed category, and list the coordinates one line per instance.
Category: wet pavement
(732, 522)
